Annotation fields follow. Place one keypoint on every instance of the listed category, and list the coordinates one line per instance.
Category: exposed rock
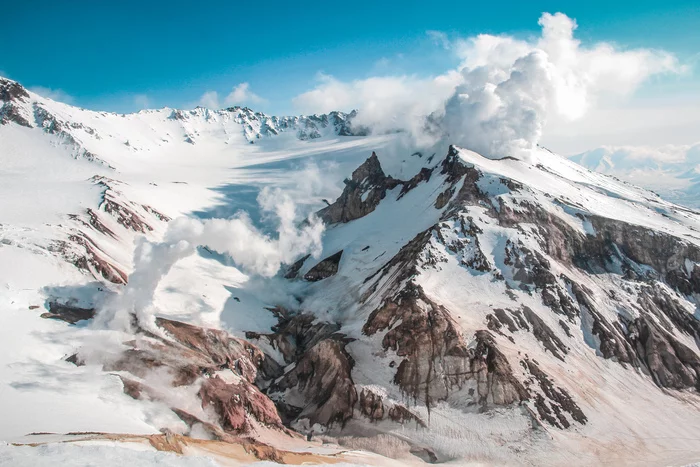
(444, 197)
(68, 313)
(295, 334)
(322, 377)
(326, 268)
(235, 403)
(612, 341)
(436, 358)
(10, 112)
(672, 364)
(371, 405)
(363, 192)
(529, 268)
(93, 260)
(422, 176)
(294, 268)
(195, 356)
(544, 334)
(526, 319)
(374, 407)
(125, 216)
(558, 400)
(12, 90)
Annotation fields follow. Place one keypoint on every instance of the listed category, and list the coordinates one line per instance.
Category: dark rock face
(322, 376)
(363, 192)
(326, 268)
(455, 169)
(671, 364)
(422, 176)
(612, 338)
(637, 254)
(293, 270)
(530, 268)
(9, 113)
(93, 260)
(68, 313)
(365, 189)
(11, 93)
(436, 358)
(11, 90)
(322, 370)
(526, 319)
(375, 408)
(371, 405)
(557, 402)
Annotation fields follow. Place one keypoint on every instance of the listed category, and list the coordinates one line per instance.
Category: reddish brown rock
(235, 403)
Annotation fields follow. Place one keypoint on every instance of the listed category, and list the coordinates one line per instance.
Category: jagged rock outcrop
(363, 192)
(552, 402)
(320, 375)
(294, 269)
(326, 268)
(12, 93)
(526, 319)
(68, 312)
(436, 358)
(671, 363)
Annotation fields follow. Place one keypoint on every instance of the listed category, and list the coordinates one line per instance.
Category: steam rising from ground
(499, 98)
(253, 251)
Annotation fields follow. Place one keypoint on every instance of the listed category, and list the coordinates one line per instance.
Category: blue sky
(122, 55)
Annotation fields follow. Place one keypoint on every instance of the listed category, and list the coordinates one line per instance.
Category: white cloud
(386, 102)
(241, 94)
(53, 94)
(210, 100)
(499, 99)
(635, 121)
(142, 101)
(439, 38)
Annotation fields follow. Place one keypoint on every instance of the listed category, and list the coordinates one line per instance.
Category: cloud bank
(499, 98)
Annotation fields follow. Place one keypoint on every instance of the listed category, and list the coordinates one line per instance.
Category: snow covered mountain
(439, 306)
(671, 170)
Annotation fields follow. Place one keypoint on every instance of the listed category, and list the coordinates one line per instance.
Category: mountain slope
(460, 308)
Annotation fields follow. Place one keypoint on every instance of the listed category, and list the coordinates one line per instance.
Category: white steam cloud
(252, 250)
(498, 100)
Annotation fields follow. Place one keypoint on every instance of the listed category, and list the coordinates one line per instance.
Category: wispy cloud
(241, 94)
(439, 38)
(53, 94)
(142, 101)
